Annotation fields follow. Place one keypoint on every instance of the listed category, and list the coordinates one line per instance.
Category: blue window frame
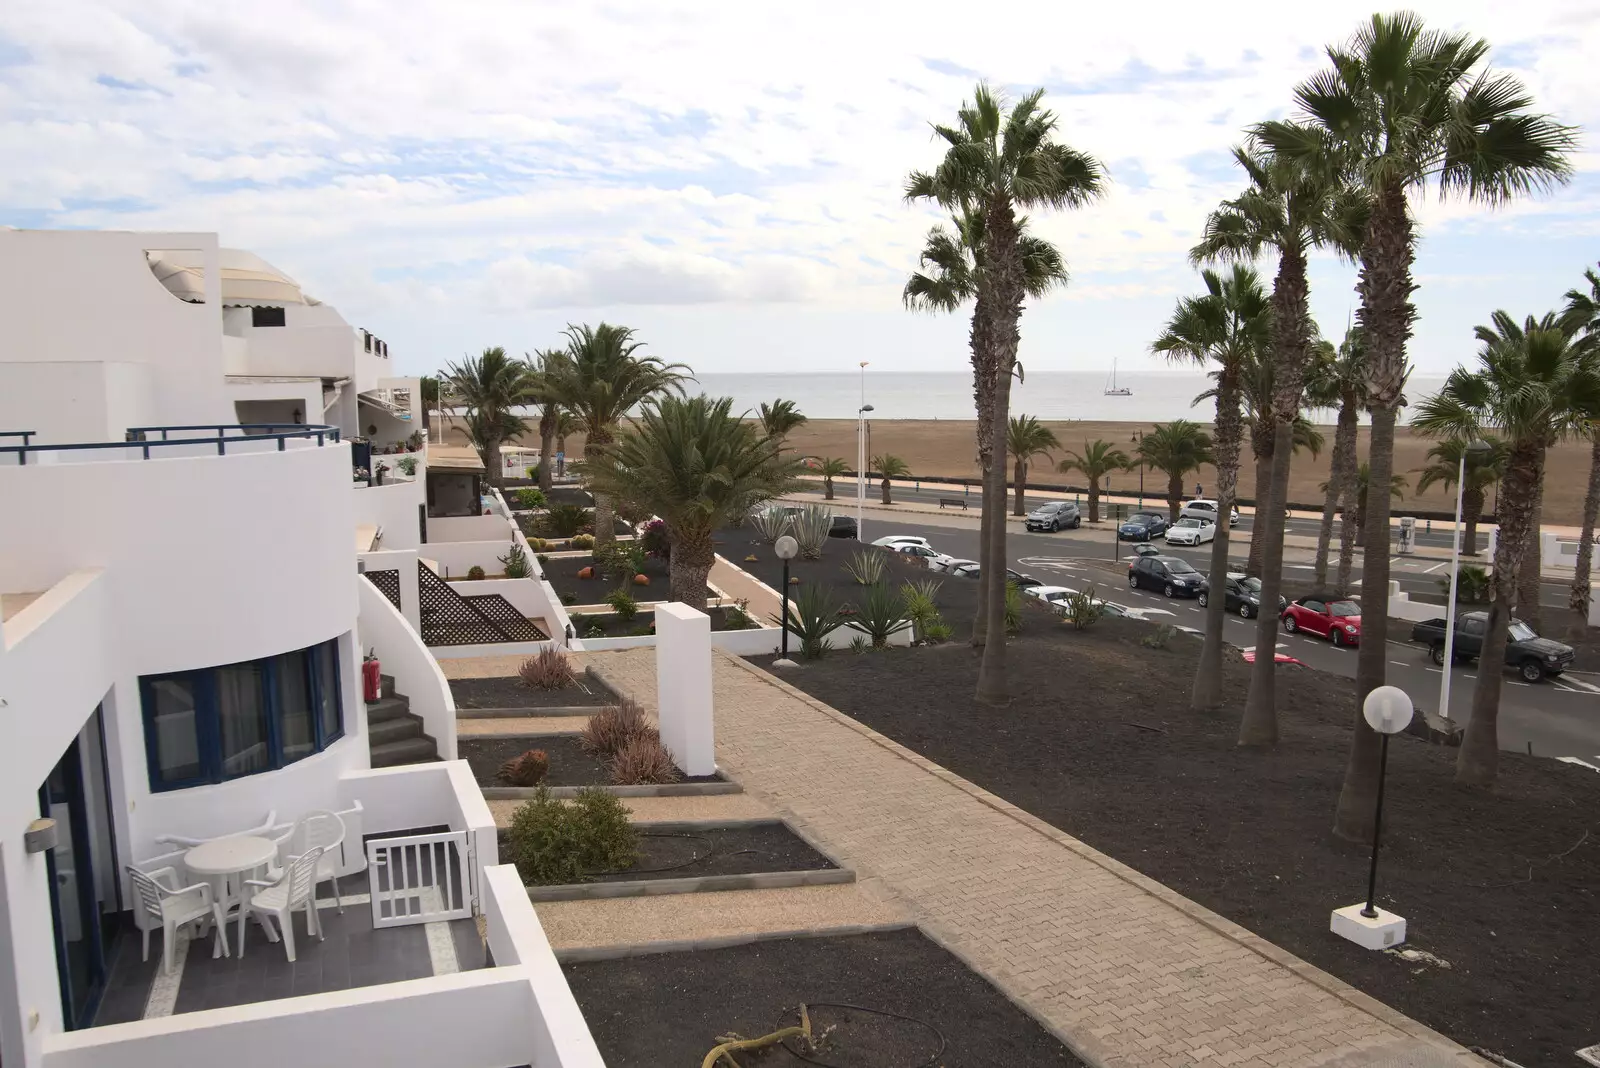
(214, 724)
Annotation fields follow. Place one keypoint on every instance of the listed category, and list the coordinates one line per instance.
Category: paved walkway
(1123, 969)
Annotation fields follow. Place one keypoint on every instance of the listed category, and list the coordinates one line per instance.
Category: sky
(726, 178)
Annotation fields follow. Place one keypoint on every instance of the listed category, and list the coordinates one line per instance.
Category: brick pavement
(1123, 969)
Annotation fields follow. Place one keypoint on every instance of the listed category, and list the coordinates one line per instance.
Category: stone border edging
(567, 793)
(1215, 922)
(528, 713)
(682, 945)
(766, 880)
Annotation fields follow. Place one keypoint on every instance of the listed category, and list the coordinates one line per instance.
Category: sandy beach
(941, 447)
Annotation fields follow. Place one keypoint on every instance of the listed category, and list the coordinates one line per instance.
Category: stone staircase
(394, 732)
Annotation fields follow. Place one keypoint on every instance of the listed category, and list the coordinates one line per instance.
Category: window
(266, 317)
(1312, 605)
(214, 724)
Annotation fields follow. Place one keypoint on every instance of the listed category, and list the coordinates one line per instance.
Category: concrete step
(388, 708)
(416, 750)
(386, 686)
(394, 729)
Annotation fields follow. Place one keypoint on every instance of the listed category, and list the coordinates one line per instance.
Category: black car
(844, 526)
(1244, 596)
(1054, 516)
(1143, 526)
(1172, 575)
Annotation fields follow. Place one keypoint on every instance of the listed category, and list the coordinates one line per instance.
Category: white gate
(421, 878)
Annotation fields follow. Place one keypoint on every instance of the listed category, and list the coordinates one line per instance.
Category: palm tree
(1405, 108)
(1026, 438)
(696, 466)
(1226, 327)
(1362, 481)
(490, 387)
(1177, 448)
(999, 163)
(567, 424)
(1098, 459)
(1483, 471)
(599, 378)
(430, 399)
(1292, 206)
(1536, 386)
(550, 411)
(779, 418)
(1340, 383)
(1581, 317)
(949, 278)
(830, 469)
(889, 466)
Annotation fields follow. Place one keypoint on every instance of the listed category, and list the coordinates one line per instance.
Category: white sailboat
(1111, 384)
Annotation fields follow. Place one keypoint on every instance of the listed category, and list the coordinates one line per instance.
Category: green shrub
(475, 572)
(866, 567)
(737, 617)
(1083, 608)
(407, 465)
(583, 541)
(553, 842)
(1472, 585)
(566, 520)
(569, 598)
(530, 497)
(920, 606)
(1159, 638)
(541, 557)
(859, 644)
(621, 560)
(515, 561)
(1013, 608)
(882, 614)
(595, 631)
(538, 545)
(936, 630)
(622, 602)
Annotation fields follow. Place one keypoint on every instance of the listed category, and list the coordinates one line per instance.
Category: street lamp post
(1474, 448)
(861, 466)
(1387, 710)
(787, 549)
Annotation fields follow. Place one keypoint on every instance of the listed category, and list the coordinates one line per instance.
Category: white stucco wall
(393, 507)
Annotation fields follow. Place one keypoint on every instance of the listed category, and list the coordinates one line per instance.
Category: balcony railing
(221, 435)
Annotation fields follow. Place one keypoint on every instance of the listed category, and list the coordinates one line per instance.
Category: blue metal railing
(214, 433)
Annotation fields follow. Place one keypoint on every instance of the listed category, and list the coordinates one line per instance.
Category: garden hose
(728, 1044)
(805, 1019)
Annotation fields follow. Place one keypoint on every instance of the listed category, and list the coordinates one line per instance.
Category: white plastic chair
(189, 843)
(296, 887)
(318, 829)
(161, 899)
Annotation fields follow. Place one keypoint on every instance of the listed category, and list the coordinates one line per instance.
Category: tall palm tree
(567, 424)
(1098, 459)
(1536, 386)
(490, 387)
(430, 399)
(1483, 471)
(1176, 448)
(1001, 162)
(889, 466)
(1293, 204)
(830, 469)
(1581, 318)
(1226, 327)
(779, 418)
(1340, 383)
(1405, 108)
(1362, 481)
(1026, 438)
(599, 377)
(550, 411)
(698, 467)
(951, 266)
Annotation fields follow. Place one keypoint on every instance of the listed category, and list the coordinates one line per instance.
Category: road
(1556, 718)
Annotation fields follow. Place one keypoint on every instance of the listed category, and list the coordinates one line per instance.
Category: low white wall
(524, 593)
(467, 528)
(393, 508)
(404, 563)
(456, 558)
(424, 795)
(416, 674)
(464, 652)
(1401, 606)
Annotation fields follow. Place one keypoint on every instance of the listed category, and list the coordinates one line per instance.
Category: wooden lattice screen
(388, 583)
(448, 618)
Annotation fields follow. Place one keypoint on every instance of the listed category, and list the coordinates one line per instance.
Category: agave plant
(866, 567)
(813, 615)
(882, 614)
(810, 528)
(1013, 608)
(770, 522)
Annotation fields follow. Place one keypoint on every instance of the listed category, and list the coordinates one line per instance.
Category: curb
(681, 945)
(1215, 922)
(528, 713)
(567, 793)
(767, 880)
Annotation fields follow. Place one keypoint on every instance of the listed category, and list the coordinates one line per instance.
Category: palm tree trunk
(1578, 599)
(983, 381)
(1207, 690)
(547, 437)
(993, 686)
(1471, 512)
(1174, 495)
(604, 526)
(886, 499)
(1477, 763)
(827, 489)
(1021, 476)
(1340, 467)
(1527, 602)
(491, 460)
(1094, 500)
(1263, 454)
(689, 566)
(1349, 525)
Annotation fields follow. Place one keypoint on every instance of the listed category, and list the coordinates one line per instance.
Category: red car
(1336, 618)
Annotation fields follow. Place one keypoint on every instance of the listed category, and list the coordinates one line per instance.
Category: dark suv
(1054, 516)
(1172, 575)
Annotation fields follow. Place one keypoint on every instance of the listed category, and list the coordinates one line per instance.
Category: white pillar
(683, 687)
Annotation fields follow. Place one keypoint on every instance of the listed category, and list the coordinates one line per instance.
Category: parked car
(956, 567)
(1200, 508)
(947, 563)
(1021, 581)
(844, 526)
(1172, 575)
(1336, 618)
(1054, 596)
(1146, 549)
(893, 540)
(1192, 531)
(1244, 596)
(1054, 516)
(1535, 658)
(1143, 526)
(922, 552)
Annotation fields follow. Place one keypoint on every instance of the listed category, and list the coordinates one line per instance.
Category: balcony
(143, 443)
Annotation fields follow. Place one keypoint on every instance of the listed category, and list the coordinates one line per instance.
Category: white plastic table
(228, 861)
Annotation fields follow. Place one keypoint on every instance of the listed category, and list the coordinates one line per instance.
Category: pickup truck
(1535, 658)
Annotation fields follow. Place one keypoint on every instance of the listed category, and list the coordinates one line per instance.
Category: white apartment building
(183, 623)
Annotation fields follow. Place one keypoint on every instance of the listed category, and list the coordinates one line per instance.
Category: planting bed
(1099, 742)
(569, 764)
(562, 574)
(511, 692)
(691, 852)
(670, 1008)
(612, 626)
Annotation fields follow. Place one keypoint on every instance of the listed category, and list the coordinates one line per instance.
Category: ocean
(1053, 395)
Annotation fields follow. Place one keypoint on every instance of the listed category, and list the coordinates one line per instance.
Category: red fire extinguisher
(371, 678)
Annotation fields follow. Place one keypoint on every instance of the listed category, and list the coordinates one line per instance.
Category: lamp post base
(784, 662)
(1383, 931)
